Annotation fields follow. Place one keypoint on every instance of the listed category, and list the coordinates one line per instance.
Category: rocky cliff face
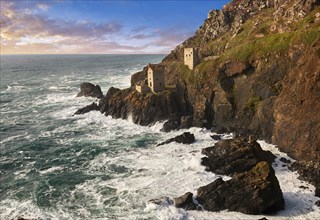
(259, 72)
(144, 109)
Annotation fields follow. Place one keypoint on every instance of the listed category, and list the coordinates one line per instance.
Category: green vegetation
(253, 103)
(253, 41)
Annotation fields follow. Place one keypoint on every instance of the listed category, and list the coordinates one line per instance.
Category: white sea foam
(130, 170)
(173, 169)
(51, 170)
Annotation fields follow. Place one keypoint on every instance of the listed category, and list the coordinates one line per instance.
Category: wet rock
(253, 192)
(285, 160)
(186, 122)
(232, 156)
(185, 138)
(88, 108)
(216, 137)
(170, 125)
(264, 218)
(144, 109)
(308, 171)
(317, 203)
(185, 201)
(88, 89)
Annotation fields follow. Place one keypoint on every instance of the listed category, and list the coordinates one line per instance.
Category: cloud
(26, 28)
(42, 6)
(22, 29)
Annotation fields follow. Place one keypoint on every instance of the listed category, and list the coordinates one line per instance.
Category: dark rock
(308, 171)
(303, 187)
(232, 156)
(264, 218)
(216, 137)
(185, 201)
(185, 138)
(317, 203)
(253, 192)
(285, 160)
(112, 91)
(219, 130)
(88, 108)
(186, 121)
(144, 109)
(88, 89)
(170, 125)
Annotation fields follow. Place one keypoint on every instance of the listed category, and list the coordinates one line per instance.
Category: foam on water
(56, 165)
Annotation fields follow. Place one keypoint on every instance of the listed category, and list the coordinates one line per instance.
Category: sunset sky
(99, 26)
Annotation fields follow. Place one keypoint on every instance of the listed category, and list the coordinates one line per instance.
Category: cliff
(259, 74)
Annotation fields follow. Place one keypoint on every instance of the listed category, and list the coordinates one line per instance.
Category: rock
(216, 137)
(232, 156)
(186, 122)
(185, 201)
(253, 192)
(112, 91)
(185, 138)
(308, 171)
(88, 89)
(285, 160)
(170, 125)
(264, 218)
(317, 203)
(88, 108)
(144, 109)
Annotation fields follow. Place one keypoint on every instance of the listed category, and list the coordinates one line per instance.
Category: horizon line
(12, 54)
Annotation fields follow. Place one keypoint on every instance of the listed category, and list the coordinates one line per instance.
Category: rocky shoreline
(258, 76)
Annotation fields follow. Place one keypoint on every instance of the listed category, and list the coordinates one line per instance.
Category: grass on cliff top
(253, 41)
(256, 40)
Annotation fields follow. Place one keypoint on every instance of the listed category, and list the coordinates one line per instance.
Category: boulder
(88, 108)
(170, 125)
(185, 201)
(88, 89)
(185, 138)
(232, 156)
(308, 171)
(253, 192)
(216, 137)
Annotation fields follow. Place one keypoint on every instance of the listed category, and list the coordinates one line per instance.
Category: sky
(100, 26)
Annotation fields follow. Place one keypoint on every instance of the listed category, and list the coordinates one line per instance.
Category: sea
(57, 165)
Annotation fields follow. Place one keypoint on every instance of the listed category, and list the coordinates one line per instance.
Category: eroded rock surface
(253, 192)
(88, 89)
(185, 138)
(231, 156)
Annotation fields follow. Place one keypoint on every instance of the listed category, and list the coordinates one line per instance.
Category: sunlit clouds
(27, 27)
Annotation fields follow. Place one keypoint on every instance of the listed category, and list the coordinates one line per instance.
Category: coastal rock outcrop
(308, 171)
(185, 201)
(143, 109)
(88, 89)
(259, 73)
(253, 192)
(232, 156)
(185, 138)
(88, 108)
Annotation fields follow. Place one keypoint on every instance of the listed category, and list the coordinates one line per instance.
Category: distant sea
(54, 165)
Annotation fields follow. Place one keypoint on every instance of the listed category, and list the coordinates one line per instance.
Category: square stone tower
(156, 78)
(191, 57)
